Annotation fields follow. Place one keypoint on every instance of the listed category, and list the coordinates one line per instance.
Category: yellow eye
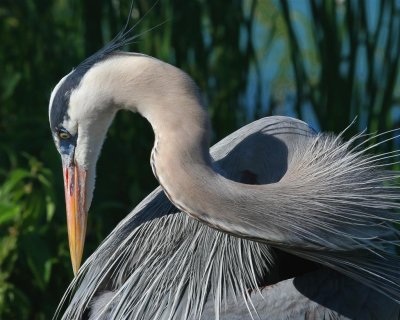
(64, 135)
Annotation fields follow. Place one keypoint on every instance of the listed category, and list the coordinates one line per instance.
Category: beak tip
(75, 269)
(76, 245)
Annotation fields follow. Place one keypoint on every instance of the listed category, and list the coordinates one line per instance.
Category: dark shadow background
(323, 61)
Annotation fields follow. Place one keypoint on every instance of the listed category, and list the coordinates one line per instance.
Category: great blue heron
(225, 226)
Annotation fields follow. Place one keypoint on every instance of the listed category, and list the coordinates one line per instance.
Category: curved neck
(169, 99)
(180, 158)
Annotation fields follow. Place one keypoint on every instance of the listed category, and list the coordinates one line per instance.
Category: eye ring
(64, 135)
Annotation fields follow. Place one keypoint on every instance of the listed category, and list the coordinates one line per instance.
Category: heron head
(79, 118)
(80, 111)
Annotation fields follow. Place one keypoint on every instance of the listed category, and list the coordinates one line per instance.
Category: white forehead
(56, 88)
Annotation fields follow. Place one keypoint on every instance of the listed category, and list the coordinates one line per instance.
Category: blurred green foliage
(323, 60)
(353, 64)
(26, 214)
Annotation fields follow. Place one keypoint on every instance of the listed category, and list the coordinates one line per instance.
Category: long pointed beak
(75, 198)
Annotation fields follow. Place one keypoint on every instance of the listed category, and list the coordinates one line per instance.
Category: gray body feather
(192, 271)
(323, 294)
